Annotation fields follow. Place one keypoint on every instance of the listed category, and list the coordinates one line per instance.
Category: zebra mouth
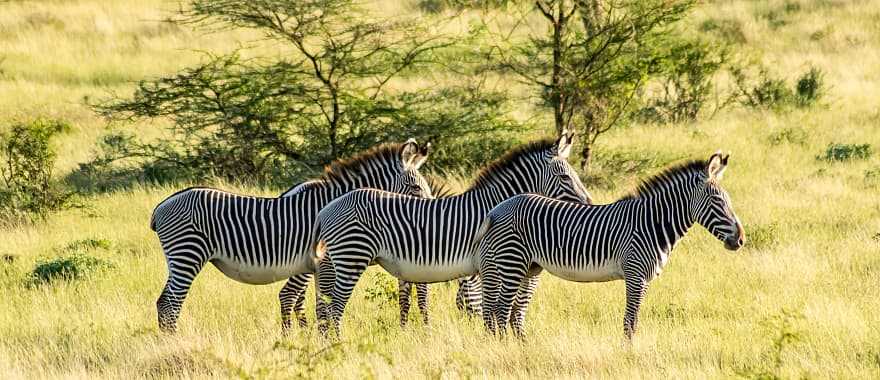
(733, 243)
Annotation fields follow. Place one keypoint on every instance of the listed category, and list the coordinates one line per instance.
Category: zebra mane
(342, 168)
(509, 159)
(665, 178)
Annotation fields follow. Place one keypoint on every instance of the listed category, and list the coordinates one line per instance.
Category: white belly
(255, 275)
(412, 272)
(593, 273)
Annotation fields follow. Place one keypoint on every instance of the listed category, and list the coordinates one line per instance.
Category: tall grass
(711, 314)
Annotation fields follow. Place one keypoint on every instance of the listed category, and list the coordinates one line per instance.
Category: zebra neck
(670, 219)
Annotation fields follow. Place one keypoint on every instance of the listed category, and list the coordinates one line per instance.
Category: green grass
(800, 301)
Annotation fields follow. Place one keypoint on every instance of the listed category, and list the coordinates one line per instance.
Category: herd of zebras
(525, 213)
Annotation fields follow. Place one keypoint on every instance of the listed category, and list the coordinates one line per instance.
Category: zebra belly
(257, 275)
(592, 273)
(424, 273)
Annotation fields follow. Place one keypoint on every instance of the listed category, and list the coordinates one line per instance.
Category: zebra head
(713, 206)
(560, 180)
(408, 180)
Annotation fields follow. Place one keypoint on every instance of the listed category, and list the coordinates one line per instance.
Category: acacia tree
(326, 97)
(591, 61)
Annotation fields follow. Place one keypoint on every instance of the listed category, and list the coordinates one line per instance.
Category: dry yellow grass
(814, 225)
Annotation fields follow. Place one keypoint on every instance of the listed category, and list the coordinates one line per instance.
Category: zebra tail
(481, 232)
(153, 221)
(317, 246)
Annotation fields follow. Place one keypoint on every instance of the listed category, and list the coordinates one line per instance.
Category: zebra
(630, 239)
(427, 240)
(292, 295)
(262, 240)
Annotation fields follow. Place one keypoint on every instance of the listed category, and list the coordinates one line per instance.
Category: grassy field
(798, 301)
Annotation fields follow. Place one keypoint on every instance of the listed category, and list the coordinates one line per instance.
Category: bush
(687, 80)
(66, 268)
(382, 289)
(27, 163)
(762, 90)
(613, 168)
(87, 244)
(846, 152)
(274, 119)
(810, 87)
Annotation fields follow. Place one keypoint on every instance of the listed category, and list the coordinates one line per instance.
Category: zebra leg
(521, 303)
(468, 298)
(636, 287)
(347, 275)
(292, 298)
(490, 286)
(512, 278)
(404, 289)
(186, 255)
(325, 278)
(422, 299)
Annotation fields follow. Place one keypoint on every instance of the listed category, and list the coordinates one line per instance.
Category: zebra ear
(716, 166)
(563, 145)
(421, 156)
(409, 151)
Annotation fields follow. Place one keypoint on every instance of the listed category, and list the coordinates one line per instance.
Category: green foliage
(810, 87)
(382, 289)
(614, 169)
(467, 125)
(437, 6)
(591, 61)
(271, 120)
(27, 160)
(68, 268)
(846, 152)
(762, 90)
(794, 135)
(687, 76)
(87, 244)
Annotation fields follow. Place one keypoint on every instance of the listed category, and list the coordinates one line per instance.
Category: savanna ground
(798, 301)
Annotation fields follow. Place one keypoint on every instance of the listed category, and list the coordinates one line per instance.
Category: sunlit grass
(711, 314)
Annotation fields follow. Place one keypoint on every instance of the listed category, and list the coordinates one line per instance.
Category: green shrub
(761, 90)
(847, 152)
(66, 268)
(810, 87)
(612, 168)
(769, 93)
(87, 244)
(687, 78)
(26, 163)
(382, 289)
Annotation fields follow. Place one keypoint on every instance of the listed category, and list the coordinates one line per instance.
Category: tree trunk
(586, 156)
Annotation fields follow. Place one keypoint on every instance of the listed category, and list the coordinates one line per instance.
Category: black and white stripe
(630, 239)
(429, 240)
(262, 240)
